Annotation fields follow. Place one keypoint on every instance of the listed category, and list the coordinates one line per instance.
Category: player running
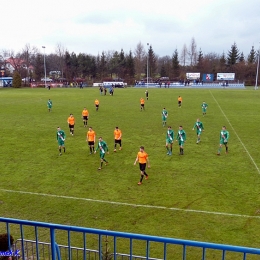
(142, 157)
(199, 128)
(204, 107)
(146, 94)
(103, 148)
(169, 140)
(224, 136)
(181, 138)
(85, 116)
(91, 139)
(164, 116)
(61, 139)
(118, 137)
(71, 122)
(49, 105)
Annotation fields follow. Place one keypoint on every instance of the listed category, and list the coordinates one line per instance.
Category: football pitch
(198, 196)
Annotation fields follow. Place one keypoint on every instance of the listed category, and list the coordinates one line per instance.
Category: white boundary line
(251, 158)
(130, 204)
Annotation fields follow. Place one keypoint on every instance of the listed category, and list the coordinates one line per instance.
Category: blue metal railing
(15, 226)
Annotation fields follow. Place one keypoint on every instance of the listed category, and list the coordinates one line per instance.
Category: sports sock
(64, 149)
(141, 179)
(219, 149)
(171, 148)
(145, 174)
(60, 150)
(90, 149)
(226, 148)
(105, 160)
(101, 163)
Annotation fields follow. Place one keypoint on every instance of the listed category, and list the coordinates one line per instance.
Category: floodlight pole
(257, 68)
(44, 66)
(147, 64)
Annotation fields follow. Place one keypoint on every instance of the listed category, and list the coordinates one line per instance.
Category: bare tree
(60, 51)
(184, 55)
(193, 52)
(27, 56)
(139, 58)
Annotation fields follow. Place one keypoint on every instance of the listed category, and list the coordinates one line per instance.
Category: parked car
(47, 80)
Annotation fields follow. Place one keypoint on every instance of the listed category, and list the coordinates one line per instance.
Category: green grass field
(198, 196)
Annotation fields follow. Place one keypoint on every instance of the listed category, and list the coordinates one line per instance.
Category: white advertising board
(193, 75)
(225, 76)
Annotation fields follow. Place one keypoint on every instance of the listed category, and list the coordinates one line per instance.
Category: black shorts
(85, 117)
(97, 105)
(142, 166)
(179, 102)
(118, 141)
(142, 105)
(71, 126)
(91, 143)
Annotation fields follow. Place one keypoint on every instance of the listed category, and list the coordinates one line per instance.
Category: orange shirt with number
(142, 101)
(96, 102)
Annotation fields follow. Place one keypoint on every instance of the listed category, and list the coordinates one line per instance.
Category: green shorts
(204, 110)
(60, 143)
(164, 118)
(222, 142)
(199, 132)
(169, 141)
(102, 155)
(181, 143)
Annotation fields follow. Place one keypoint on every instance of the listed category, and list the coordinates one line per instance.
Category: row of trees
(132, 66)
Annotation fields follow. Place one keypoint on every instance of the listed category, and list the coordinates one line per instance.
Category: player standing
(142, 103)
(169, 140)
(71, 122)
(49, 105)
(179, 101)
(224, 136)
(164, 116)
(199, 128)
(142, 157)
(103, 148)
(181, 137)
(85, 116)
(118, 137)
(61, 139)
(91, 139)
(146, 94)
(204, 107)
(97, 104)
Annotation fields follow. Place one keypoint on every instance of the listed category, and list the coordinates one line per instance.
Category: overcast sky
(102, 25)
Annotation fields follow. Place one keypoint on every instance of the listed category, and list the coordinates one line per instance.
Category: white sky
(102, 25)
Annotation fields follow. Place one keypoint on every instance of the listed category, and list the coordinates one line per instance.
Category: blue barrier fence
(170, 248)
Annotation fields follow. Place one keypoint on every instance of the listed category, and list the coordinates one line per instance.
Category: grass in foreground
(198, 181)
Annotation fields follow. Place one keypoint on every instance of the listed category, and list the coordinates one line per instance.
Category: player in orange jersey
(118, 136)
(142, 103)
(142, 157)
(91, 139)
(97, 104)
(179, 101)
(71, 122)
(85, 116)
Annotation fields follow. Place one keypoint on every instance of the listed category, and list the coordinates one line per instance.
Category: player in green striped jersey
(49, 105)
(164, 116)
(181, 138)
(223, 139)
(199, 128)
(61, 136)
(103, 148)
(169, 140)
(204, 107)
